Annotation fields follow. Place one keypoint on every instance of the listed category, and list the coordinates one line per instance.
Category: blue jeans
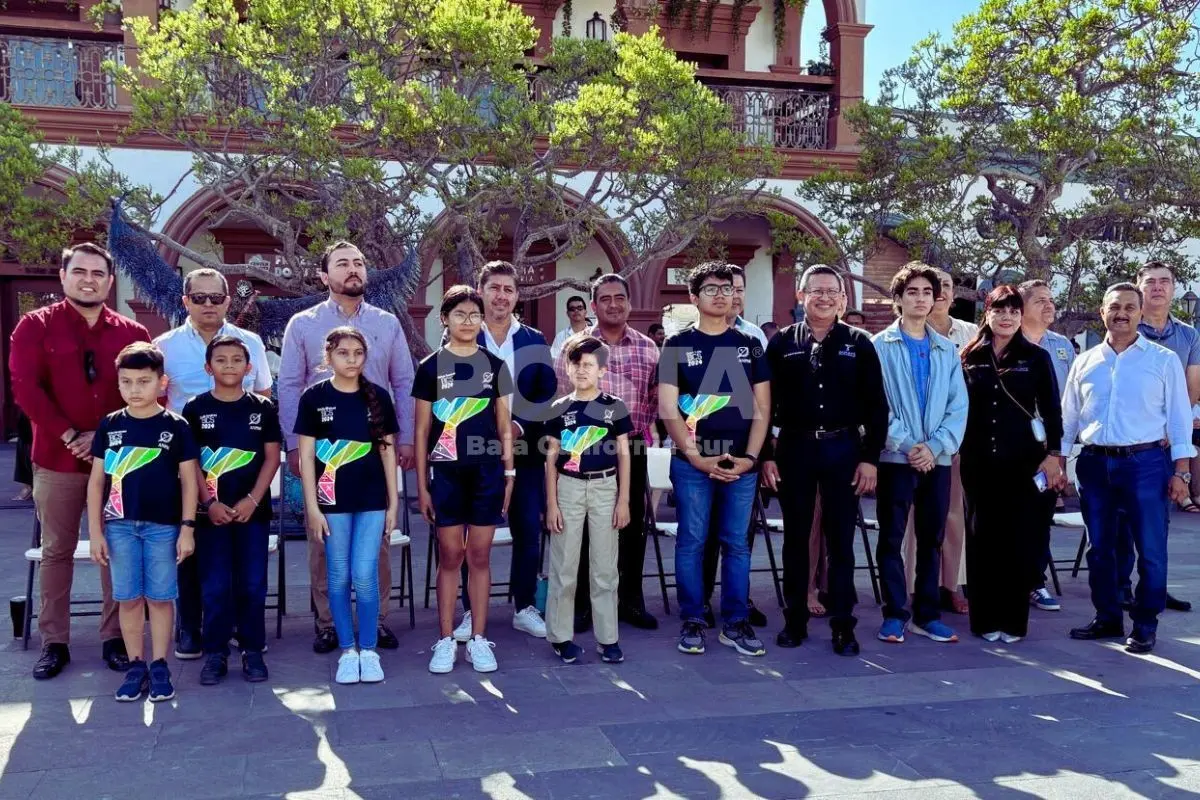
(352, 556)
(698, 499)
(901, 489)
(232, 561)
(1134, 487)
(142, 559)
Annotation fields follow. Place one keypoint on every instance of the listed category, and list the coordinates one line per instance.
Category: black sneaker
(54, 657)
(610, 653)
(161, 687)
(385, 639)
(569, 652)
(326, 641)
(757, 618)
(691, 638)
(137, 681)
(187, 646)
(740, 636)
(215, 667)
(114, 654)
(254, 669)
(710, 619)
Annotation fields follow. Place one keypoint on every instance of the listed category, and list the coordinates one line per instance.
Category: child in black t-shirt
(464, 438)
(587, 479)
(141, 491)
(346, 427)
(239, 439)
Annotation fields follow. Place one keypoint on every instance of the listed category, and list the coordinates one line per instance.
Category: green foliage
(1051, 137)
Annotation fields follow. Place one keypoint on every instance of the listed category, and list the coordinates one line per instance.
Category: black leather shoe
(637, 617)
(583, 622)
(791, 637)
(187, 646)
(114, 654)
(385, 639)
(757, 619)
(844, 643)
(1175, 604)
(215, 667)
(1099, 630)
(1140, 642)
(325, 642)
(710, 619)
(254, 669)
(54, 657)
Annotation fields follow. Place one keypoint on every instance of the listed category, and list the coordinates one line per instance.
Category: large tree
(1044, 138)
(316, 119)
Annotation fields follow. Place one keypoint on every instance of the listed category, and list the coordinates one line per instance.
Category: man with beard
(389, 364)
(64, 377)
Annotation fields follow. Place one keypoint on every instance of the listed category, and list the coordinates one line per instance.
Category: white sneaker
(445, 652)
(348, 668)
(463, 632)
(528, 620)
(1010, 639)
(369, 667)
(480, 656)
(991, 636)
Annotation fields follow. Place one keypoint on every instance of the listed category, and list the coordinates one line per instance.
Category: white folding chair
(658, 478)
(402, 537)
(33, 556)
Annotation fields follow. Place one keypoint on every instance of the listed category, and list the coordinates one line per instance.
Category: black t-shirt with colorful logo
(232, 437)
(587, 431)
(141, 459)
(463, 391)
(350, 474)
(716, 375)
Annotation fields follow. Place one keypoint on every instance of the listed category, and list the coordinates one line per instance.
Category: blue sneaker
(610, 653)
(569, 652)
(137, 681)
(161, 687)
(691, 638)
(1044, 600)
(934, 629)
(740, 636)
(892, 630)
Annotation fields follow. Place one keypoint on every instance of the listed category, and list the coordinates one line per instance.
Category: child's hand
(621, 514)
(98, 549)
(243, 510)
(185, 545)
(220, 514)
(508, 487)
(425, 503)
(389, 519)
(554, 519)
(318, 526)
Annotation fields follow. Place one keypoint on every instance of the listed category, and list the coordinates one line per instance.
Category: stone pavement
(1047, 717)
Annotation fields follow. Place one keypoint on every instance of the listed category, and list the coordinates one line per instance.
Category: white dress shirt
(504, 350)
(1134, 397)
(560, 339)
(183, 354)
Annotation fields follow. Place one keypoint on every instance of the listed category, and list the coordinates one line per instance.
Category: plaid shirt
(632, 376)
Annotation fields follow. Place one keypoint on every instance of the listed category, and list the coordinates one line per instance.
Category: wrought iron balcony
(60, 73)
(785, 118)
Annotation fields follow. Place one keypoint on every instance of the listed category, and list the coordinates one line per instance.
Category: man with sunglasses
(206, 298)
(64, 377)
(577, 314)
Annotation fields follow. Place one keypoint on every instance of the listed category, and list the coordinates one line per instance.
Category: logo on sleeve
(743, 355)
(164, 440)
(256, 422)
(608, 415)
(487, 380)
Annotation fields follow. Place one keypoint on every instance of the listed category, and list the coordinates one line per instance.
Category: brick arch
(841, 11)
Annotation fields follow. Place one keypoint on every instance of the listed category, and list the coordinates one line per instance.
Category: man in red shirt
(64, 377)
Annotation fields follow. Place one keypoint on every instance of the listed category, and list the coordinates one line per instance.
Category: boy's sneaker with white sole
(445, 653)
(528, 620)
(480, 655)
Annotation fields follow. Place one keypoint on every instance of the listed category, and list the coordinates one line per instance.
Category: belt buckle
(819, 434)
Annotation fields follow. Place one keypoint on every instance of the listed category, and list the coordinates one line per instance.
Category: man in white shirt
(206, 298)
(577, 314)
(1126, 401)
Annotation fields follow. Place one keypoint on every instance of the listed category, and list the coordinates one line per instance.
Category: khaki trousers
(61, 499)
(579, 501)
(319, 581)
(954, 562)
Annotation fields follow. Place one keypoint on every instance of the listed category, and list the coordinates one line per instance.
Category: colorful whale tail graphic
(221, 461)
(578, 441)
(118, 464)
(452, 413)
(336, 455)
(698, 407)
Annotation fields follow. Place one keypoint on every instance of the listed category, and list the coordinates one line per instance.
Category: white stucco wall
(760, 39)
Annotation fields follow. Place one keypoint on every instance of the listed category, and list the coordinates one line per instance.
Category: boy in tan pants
(587, 479)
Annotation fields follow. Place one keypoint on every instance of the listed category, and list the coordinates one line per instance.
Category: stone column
(846, 45)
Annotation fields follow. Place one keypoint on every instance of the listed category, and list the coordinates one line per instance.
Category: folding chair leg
(429, 567)
(29, 601)
(1053, 572)
(1083, 540)
(662, 573)
(406, 577)
(281, 582)
(871, 565)
(766, 534)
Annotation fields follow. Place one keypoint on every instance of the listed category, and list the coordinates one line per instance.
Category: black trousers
(902, 489)
(805, 466)
(1008, 532)
(631, 542)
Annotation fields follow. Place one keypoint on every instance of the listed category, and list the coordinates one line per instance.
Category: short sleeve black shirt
(463, 391)
(350, 473)
(716, 375)
(232, 437)
(587, 431)
(141, 459)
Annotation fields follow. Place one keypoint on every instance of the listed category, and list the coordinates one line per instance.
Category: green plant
(566, 9)
(739, 6)
(781, 7)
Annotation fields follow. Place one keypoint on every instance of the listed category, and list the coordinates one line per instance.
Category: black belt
(590, 476)
(820, 434)
(1124, 451)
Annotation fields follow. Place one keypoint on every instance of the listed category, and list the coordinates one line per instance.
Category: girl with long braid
(346, 426)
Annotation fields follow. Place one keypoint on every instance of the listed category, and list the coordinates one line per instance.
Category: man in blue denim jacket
(927, 398)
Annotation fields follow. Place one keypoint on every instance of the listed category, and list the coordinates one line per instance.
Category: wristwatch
(1186, 477)
(188, 523)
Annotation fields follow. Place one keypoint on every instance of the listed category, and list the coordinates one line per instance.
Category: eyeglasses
(824, 293)
(712, 290)
(461, 318)
(200, 298)
(89, 366)
(573, 309)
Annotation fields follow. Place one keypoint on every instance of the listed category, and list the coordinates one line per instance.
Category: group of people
(959, 432)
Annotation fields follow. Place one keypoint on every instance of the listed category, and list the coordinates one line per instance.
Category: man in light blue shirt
(1126, 401)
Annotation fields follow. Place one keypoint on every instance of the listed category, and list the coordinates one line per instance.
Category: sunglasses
(577, 308)
(89, 366)
(200, 298)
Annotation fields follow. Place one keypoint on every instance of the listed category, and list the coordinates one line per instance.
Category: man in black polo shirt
(832, 415)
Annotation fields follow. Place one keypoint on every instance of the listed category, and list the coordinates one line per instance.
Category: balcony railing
(789, 119)
(61, 73)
